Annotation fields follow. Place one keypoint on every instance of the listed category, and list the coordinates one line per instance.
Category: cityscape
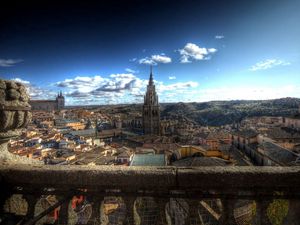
(180, 123)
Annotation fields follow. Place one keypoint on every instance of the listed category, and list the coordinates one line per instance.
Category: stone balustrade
(228, 195)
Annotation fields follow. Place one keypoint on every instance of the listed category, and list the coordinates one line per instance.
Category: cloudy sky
(200, 50)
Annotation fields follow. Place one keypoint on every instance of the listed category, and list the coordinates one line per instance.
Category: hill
(217, 113)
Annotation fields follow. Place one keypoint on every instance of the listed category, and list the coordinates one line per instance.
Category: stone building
(151, 112)
(49, 105)
(293, 121)
(262, 150)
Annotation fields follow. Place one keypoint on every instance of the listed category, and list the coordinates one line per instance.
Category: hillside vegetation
(217, 113)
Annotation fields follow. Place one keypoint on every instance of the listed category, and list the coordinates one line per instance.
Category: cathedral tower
(151, 113)
(60, 99)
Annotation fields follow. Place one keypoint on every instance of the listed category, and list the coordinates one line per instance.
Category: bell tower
(151, 111)
(60, 99)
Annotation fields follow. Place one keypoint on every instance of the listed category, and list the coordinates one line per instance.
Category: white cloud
(147, 61)
(113, 89)
(155, 59)
(172, 78)
(128, 88)
(36, 92)
(219, 36)
(131, 70)
(194, 52)
(161, 59)
(9, 62)
(132, 60)
(82, 83)
(269, 63)
(21, 81)
(176, 86)
(118, 88)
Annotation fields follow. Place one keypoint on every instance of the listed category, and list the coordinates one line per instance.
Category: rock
(7, 120)
(2, 84)
(2, 96)
(24, 96)
(19, 84)
(13, 94)
(13, 118)
(11, 85)
(19, 119)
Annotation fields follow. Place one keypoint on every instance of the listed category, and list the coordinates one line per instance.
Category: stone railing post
(193, 211)
(96, 205)
(261, 216)
(63, 215)
(161, 203)
(129, 202)
(293, 216)
(31, 201)
(14, 116)
(5, 194)
(227, 217)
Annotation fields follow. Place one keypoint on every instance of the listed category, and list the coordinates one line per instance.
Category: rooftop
(246, 133)
(278, 153)
(148, 160)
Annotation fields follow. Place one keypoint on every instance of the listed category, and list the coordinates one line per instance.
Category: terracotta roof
(247, 133)
(218, 135)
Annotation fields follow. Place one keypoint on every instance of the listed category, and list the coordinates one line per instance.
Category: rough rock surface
(14, 116)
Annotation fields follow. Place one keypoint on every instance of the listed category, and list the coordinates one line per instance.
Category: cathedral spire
(151, 112)
(151, 76)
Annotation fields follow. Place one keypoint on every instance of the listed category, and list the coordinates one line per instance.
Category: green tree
(277, 211)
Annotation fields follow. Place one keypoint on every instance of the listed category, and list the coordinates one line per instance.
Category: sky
(101, 52)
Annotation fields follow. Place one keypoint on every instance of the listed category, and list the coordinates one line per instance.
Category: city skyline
(201, 51)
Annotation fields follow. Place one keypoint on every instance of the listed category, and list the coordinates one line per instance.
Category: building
(49, 105)
(124, 157)
(272, 154)
(215, 138)
(151, 112)
(262, 150)
(293, 121)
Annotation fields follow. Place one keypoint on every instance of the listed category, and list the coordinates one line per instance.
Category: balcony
(153, 195)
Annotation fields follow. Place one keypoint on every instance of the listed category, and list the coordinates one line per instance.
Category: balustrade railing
(150, 195)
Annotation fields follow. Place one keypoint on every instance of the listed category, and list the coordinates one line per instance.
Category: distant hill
(214, 113)
(217, 113)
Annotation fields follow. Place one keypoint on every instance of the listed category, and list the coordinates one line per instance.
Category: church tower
(151, 113)
(60, 99)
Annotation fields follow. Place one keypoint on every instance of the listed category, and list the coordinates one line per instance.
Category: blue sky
(200, 50)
